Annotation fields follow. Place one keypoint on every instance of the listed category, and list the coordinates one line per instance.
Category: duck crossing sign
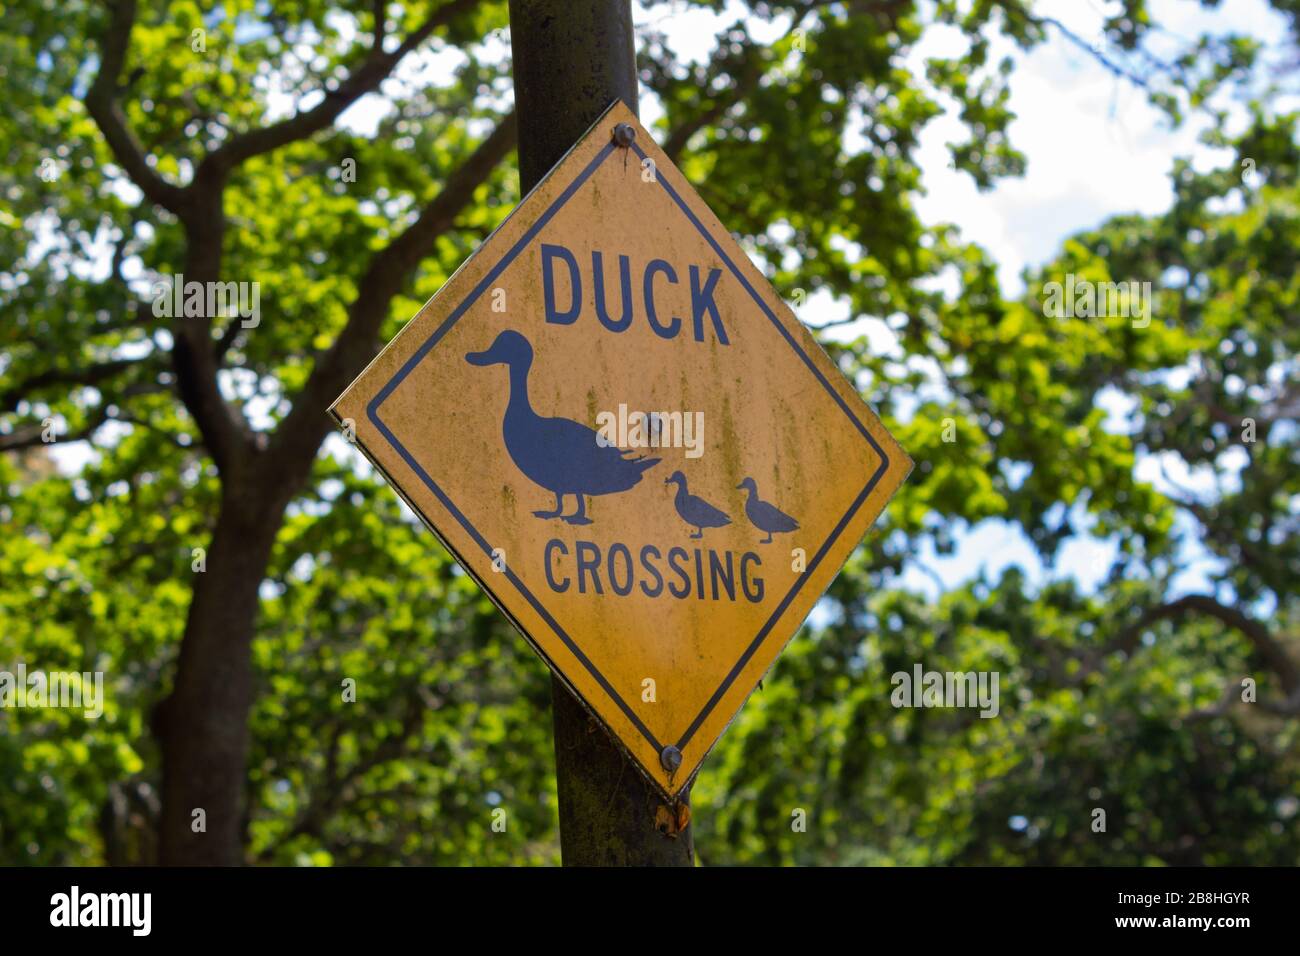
(624, 435)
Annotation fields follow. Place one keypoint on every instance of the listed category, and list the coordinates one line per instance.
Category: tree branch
(226, 433)
(1288, 708)
(381, 27)
(1273, 653)
(300, 434)
(199, 206)
(1042, 23)
(101, 103)
(337, 787)
(747, 79)
(88, 375)
(1221, 707)
(372, 71)
(29, 436)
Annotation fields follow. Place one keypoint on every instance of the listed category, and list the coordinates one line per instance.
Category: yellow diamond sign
(629, 441)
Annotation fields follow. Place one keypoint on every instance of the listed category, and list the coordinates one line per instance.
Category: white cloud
(1094, 144)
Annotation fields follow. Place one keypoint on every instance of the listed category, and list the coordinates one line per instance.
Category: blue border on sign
(372, 410)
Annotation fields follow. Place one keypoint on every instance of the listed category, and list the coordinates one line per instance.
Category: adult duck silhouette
(694, 510)
(560, 455)
(764, 516)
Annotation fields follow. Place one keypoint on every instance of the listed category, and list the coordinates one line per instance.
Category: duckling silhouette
(763, 516)
(693, 509)
(560, 455)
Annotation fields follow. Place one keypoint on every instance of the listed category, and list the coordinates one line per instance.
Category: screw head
(625, 135)
(671, 758)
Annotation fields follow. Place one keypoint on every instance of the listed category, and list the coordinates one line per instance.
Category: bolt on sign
(625, 436)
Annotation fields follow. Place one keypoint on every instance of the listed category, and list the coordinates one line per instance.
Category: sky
(1095, 148)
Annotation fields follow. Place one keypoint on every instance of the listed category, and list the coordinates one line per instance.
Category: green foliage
(806, 146)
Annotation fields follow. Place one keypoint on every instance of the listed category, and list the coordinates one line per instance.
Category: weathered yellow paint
(657, 669)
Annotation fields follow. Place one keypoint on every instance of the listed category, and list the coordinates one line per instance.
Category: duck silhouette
(763, 516)
(694, 510)
(560, 455)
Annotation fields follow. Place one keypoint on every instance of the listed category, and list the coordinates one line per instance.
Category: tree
(1171, 711)
(146, 140)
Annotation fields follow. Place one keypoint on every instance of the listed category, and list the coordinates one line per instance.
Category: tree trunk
(203, 725)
